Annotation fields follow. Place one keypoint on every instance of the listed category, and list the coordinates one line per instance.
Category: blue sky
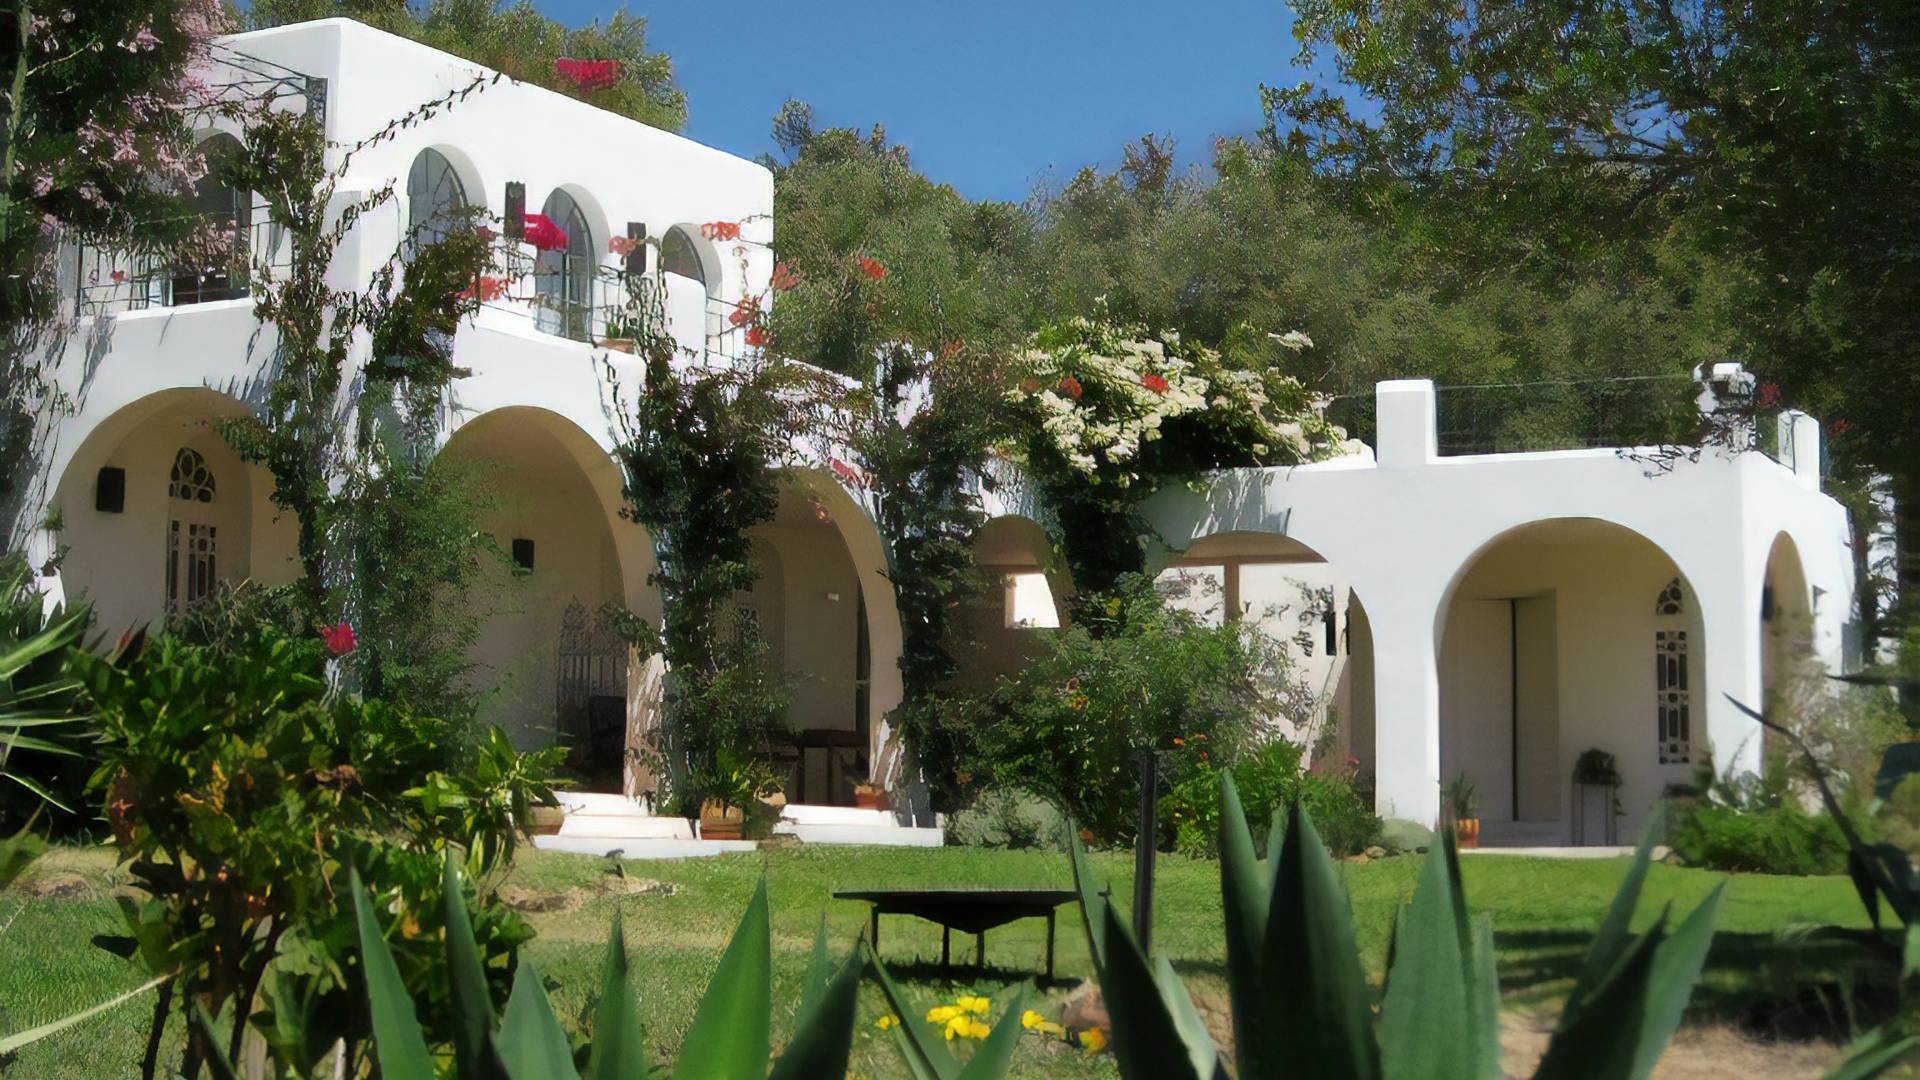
(991, 96)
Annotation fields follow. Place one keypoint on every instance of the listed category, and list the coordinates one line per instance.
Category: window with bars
(1672, 682)
(192, 541)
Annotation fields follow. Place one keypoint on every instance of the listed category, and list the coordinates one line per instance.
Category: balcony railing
(109, 282)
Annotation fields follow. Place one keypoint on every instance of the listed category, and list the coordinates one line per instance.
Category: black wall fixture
(110, 490)
(516, 216)
(637, 258)
(523, 553)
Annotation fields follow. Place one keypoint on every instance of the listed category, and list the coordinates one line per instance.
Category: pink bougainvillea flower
(544, 235)
(1156, 383)
(589, 74)
(1769, 394)
(118, 276)
(1070, 386)
(721, 230)
(784, 277)
(756, 336)
(873, 268)
(623, 245)
(340, 640)
(848, 474)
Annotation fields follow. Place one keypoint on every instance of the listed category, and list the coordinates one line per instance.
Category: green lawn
(1542, 910)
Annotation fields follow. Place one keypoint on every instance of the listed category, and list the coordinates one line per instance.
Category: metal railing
(108, 281)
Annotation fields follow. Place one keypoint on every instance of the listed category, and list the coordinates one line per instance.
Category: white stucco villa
(1494, 614)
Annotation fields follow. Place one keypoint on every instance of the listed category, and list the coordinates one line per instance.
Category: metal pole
(1143, 851)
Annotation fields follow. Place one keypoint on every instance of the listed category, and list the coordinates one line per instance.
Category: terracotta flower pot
(869, 797)
(719, 821)
(1469, 832)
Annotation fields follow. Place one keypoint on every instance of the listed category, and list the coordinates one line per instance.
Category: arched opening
(563, 277)
(1786, 628)
(158, 512)
(551, 655)
(692, 279)
(1308, 607)
(1022, 594)
(1565, 645)
(224, 209)
(829, 624)
(436, 200)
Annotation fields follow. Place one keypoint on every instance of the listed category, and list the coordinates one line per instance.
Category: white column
(1406, 709)
(1802, 433)
(1406, 423)
(1728, 594)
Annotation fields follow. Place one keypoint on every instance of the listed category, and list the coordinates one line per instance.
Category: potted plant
(1463, 810)
(868, 795)
(736, 787)
(622, 332)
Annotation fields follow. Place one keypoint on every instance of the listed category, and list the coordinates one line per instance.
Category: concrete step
(889, 835)
(597, 803)
(801, 814)
(637, 826)
(641, 847)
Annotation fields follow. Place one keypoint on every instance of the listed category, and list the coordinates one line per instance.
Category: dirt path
(1712, 1052)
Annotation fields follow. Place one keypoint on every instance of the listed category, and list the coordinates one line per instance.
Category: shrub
(1071, 725)
(1778, 839)
(1271, 780)
(240, 788)
(39, 764)
(1006, 818)
(1343, 810)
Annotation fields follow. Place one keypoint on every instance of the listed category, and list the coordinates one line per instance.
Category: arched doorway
(1308, 607)
(551, 657)
(1565, 638)
(828, 617)
(1786, 628)
(157, 512)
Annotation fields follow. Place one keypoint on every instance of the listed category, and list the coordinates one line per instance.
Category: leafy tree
(517, 39)
(96, 147)
(1780, 137)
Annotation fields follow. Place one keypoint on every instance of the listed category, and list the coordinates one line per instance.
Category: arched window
(227, 211)
(1673, 704)
(436, 200)
(563, 280)
(680, 255)
(192, 536)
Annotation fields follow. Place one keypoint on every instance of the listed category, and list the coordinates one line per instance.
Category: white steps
(598, 823)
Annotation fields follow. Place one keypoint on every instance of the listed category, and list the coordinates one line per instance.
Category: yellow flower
(975, 1005)
(1094, 1040)
(966, 1027)
(1033, 1021)
(940, 1014)
(887, 1021)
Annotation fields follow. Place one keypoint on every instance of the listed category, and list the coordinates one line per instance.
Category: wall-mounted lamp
(516, 213)
(110, 490)
(523, 553)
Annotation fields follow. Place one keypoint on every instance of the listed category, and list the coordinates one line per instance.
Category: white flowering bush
(1106, 413)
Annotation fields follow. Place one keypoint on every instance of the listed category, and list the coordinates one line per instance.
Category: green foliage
(1463, 800)
(1299, 996)
(729, 1039)
(518, 39)
(41, 761)
(1007, 818)
(1751, 832)
(239, 789)
(1269, 777)
(1071, 725)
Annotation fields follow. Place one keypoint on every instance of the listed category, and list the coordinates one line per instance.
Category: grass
(1543, 911)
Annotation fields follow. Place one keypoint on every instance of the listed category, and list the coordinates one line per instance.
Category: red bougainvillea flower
(1156, 383)
(873, 268)
(1840, 426)
(848, 474)
(721, 230)
(1769, 395)
(486, 288)
(744, 311)
(1070, 386)
(623, 245)
(756, 336)
(119, 276)
(544, 235)
(784, 277)
(589, 74)
(340, 640)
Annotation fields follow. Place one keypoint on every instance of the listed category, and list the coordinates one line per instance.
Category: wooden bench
(970, 911)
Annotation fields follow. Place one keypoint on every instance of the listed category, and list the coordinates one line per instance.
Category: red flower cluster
(784, 277)
(1769, 395)
(484, 287)
(1153, 382)
(757, 336)
(873, 268)
(744, 311)
(340, 640)
(1840, 426)
(848, 474)
(1070, 386)
(544, 235)
(721, 230)
(623, 245)
(589, 74)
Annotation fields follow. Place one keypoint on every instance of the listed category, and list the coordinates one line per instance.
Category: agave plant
(730, 1037)
(1300, 1000)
